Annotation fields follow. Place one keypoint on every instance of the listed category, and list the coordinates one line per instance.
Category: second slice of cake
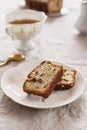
(42, 80)
(67, 80)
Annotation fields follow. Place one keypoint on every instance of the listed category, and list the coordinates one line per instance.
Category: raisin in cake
(48, 6)
(42, 80)
(67, 81)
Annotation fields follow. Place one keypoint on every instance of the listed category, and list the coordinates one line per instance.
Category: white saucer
(12, 85)
(63, 11)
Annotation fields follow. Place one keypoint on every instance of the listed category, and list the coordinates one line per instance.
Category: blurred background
(10, 4)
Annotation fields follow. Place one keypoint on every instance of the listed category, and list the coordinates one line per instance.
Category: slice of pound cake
(42, 80)
(48, 6)
(67, 81)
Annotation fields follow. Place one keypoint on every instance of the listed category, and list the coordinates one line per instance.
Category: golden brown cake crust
(46, 90)
(37, 5)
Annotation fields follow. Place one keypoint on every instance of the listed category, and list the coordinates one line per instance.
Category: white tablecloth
(59, 40)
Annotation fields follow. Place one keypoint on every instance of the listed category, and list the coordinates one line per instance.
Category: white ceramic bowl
(25, 32)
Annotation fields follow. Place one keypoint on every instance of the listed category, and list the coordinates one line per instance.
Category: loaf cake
(48, 6)
(42, 79)
(67, 81)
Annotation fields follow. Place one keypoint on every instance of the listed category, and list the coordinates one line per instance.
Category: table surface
(58, 40)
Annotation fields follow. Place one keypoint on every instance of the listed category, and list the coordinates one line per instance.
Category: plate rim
(44, 107)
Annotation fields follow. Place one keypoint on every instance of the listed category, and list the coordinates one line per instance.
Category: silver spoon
(15, 57)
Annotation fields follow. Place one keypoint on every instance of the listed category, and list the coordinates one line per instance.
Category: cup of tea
(24, 25)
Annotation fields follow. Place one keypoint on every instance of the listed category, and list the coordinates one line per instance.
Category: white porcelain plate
(12, 85)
